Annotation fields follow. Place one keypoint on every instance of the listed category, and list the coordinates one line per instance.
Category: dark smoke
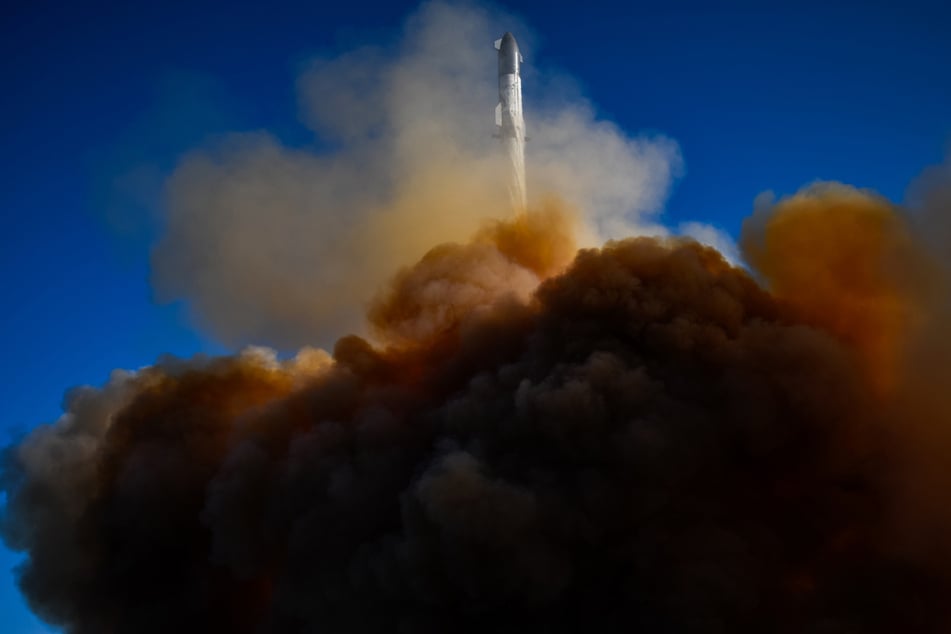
(650, 442)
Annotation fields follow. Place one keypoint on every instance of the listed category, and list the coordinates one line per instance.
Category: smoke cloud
(638, 436)
(875, 276)
(275, 245)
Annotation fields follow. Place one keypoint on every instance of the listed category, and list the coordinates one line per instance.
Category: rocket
(509, 119)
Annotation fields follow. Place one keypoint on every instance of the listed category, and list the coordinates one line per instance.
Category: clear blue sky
(760, 95)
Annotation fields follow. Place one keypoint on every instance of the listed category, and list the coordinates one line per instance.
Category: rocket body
(509, 119)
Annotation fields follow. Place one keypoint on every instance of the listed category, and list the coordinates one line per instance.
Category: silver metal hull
(509, 119)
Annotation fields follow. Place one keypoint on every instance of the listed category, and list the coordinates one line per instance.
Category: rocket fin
(498, 114)
(521, 60)
(498, 44)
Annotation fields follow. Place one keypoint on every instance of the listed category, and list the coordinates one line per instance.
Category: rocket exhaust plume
(509, 117)
(283, 246)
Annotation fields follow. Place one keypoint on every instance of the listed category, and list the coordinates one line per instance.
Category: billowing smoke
(850, 263)
(275, 245)
(639, 437)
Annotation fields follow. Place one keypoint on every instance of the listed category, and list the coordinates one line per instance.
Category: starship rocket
(509, 119)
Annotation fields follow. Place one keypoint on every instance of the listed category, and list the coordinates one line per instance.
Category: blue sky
(99, 99)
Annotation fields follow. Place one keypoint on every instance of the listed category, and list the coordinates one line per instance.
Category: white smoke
(280, 246)
(712, 236)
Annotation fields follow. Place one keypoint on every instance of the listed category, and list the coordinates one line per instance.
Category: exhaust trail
(269, 244)
(510, 119)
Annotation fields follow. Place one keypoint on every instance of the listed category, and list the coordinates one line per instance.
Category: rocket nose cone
(508, 42)
(508, 54)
